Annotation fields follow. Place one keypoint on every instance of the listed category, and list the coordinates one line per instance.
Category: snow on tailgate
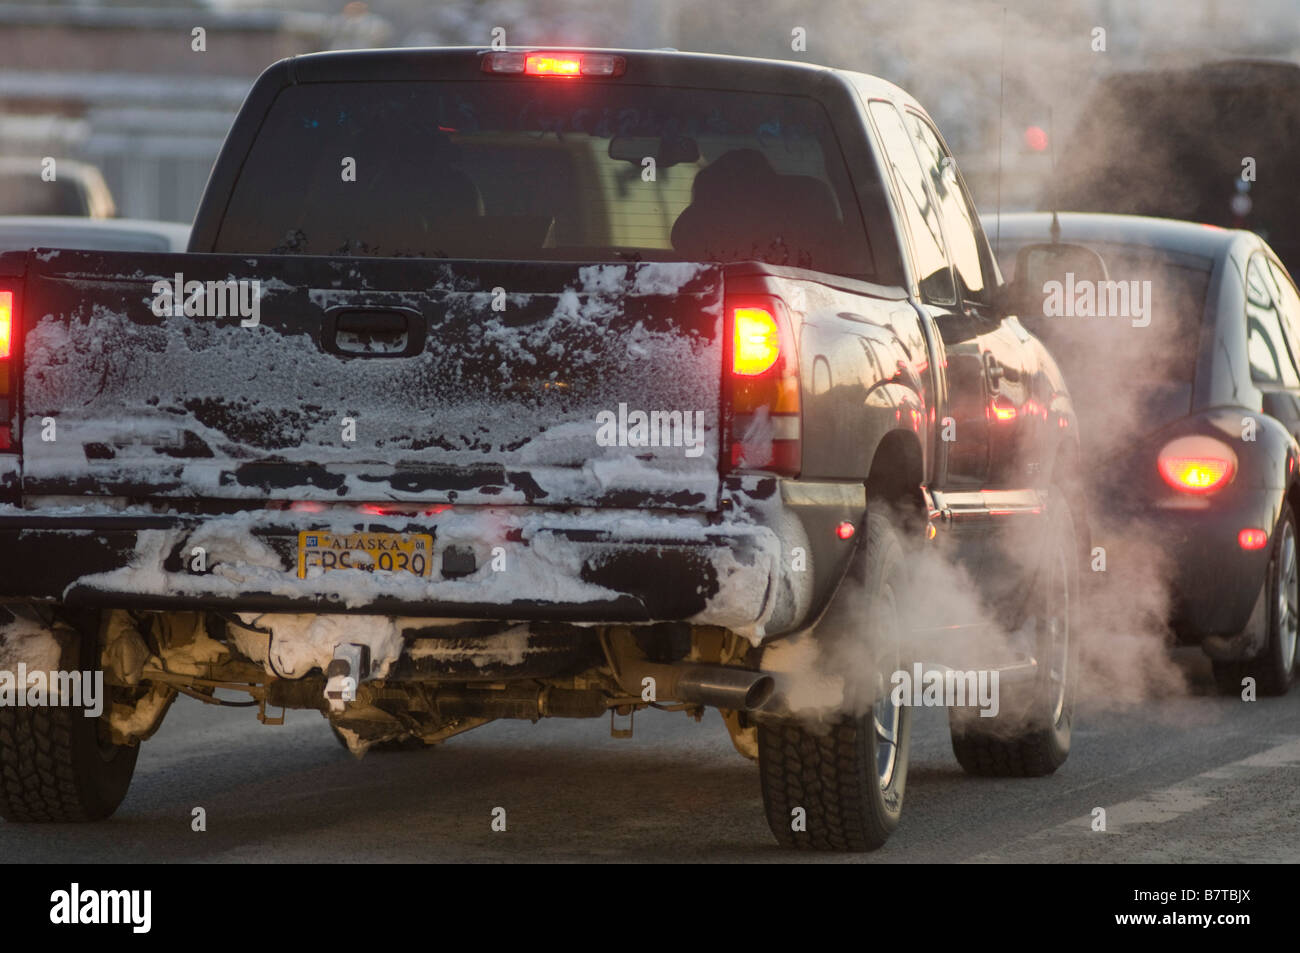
(535, 383)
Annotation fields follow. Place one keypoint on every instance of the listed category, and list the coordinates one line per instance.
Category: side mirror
(1039, 265)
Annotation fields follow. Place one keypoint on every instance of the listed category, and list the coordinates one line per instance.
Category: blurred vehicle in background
(76, 189)
(1189, 410)
(1176, 144)
(20, 232)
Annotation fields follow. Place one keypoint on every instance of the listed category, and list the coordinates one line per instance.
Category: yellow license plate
(369, 552)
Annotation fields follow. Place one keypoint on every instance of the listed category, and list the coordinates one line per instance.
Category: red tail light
(1197, 464)
(538, 65)
(554, 64)
(8, 375)
(756, 341)
(6, 322)
(766, 433)
(1252, 538)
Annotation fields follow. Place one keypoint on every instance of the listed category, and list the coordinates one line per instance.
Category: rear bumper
(527, 564)
(764, 565)
(1214, 584)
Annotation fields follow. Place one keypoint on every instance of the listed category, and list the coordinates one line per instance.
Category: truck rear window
(547, 170)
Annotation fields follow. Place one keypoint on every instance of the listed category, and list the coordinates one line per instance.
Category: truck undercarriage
(449, 677)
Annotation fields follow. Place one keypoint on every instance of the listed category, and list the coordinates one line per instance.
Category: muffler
(526, 701)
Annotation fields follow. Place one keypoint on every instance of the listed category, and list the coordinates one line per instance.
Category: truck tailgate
(316, 378)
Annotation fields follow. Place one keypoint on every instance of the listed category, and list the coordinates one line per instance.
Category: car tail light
(1197, 464)
(8, 374)
(766, 432)
(554, 64)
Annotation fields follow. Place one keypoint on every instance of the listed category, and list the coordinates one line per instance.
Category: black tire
(1030, 736)
(848, 775)
(57, 765)
(1274, 669)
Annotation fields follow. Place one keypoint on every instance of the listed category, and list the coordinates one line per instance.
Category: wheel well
(896, 474)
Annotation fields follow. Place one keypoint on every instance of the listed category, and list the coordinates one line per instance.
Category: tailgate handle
(373, 332)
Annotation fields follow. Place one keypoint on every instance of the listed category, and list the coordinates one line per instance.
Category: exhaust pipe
(526, 702)
(717, 686)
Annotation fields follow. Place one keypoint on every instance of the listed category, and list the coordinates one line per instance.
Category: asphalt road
(1186, 778)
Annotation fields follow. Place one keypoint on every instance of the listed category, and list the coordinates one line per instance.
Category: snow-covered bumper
(507, 563)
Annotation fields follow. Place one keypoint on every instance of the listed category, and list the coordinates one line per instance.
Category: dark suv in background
(1173, 143)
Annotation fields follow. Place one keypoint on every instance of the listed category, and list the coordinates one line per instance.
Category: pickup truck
(528, 383)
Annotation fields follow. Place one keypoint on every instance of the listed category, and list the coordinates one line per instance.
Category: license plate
(369, 552)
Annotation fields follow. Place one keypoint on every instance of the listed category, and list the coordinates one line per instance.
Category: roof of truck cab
(706, 69)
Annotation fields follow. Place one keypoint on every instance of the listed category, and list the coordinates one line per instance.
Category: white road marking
(1142, 816)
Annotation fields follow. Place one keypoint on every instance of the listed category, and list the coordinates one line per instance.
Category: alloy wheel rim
(1056, 625)
(886, 717)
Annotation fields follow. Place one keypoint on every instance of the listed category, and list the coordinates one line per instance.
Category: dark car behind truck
(525, 383)
(1190, 415)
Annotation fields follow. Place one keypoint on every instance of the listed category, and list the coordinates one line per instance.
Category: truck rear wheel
(57, 765)
(839, 784)
(1030, 735)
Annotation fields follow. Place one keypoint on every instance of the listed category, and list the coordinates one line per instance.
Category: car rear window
(551, 170)
(28, 194)
(19, 238)
(1130, 374)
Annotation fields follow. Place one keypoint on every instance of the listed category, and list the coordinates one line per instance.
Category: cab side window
(928, 258)
(1271, 360)
(960, 225)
